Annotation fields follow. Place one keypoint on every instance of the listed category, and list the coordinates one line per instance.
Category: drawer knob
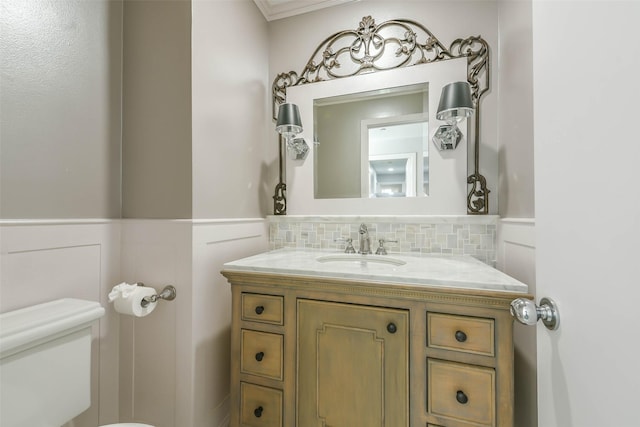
(258, 412)
(392, 328)
(259, 309)
(461, 336)
(461, 397)
(260, 356)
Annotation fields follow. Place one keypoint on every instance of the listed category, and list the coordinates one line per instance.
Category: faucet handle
(381, 249)
(349, 249)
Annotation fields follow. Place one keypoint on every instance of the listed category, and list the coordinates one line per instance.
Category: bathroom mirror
(447, 170)
(377, 140)
(377, 57)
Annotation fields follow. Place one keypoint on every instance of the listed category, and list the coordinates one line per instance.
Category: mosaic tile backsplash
(452, 235)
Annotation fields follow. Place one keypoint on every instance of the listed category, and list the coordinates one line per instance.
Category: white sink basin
(359, 260)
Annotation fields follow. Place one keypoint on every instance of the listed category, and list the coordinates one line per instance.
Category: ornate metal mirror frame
(391, 44)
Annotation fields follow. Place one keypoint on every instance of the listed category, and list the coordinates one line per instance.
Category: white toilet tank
(45, 362)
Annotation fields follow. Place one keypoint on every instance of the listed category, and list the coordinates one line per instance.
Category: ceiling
(277, 9)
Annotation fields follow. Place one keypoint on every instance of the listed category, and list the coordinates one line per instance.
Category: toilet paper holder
(167, 294)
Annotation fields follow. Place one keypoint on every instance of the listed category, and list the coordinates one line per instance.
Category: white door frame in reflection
(403, 147)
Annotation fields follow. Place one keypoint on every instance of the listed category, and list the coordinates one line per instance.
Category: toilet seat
(127, 425)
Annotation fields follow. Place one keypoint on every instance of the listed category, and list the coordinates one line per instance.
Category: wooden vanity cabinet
(310, 352)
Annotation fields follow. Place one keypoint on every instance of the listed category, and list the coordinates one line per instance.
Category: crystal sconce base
(297, 149)
(447, 137)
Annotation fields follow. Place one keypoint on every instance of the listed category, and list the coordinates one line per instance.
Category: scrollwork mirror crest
(392, 44)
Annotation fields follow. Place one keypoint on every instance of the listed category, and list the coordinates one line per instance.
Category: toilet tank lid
(38, 323)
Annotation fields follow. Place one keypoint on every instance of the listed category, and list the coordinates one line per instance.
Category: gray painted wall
(294, 39)
(515, 111)
(507, 116)
(230, 50)
(156, 109)
(194, 110)
(97, 110)
(60, 100)
(61, 86)
(516, 181)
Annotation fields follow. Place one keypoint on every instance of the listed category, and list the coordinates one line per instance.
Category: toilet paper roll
(132, 303)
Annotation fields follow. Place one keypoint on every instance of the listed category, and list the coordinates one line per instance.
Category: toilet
(45, 363)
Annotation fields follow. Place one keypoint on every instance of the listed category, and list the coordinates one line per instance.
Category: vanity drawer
(261, 354)
(461, 333)
(263, 308)
(260, 406)
(462, 392)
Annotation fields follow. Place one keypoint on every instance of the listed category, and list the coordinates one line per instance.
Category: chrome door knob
(527, 312)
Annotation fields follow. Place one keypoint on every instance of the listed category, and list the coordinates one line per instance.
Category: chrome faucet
(365, 241)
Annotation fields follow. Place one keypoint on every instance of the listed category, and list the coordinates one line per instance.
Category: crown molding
(278, 9)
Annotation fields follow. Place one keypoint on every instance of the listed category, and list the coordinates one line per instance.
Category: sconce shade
(455, 102)
(289, 123)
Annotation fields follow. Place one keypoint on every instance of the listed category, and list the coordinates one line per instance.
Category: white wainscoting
(174, 363)
(170, 368)
(516, 256)
(215, 243)
(47, 260)
(156, 253)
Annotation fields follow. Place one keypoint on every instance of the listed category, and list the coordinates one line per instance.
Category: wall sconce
(455, 105)
(288, 125)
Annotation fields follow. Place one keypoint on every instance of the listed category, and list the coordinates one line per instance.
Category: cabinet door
(353, 365)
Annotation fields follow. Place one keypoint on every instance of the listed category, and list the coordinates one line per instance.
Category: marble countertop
(462, 272)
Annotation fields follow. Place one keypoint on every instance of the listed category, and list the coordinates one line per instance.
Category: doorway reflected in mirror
(398, 159)
(350, 129)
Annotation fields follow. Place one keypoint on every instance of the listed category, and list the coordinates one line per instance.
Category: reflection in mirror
(357, 134)
(397, 157)
(392, 175)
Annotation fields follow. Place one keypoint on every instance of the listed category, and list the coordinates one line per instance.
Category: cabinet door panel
(352, 365)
